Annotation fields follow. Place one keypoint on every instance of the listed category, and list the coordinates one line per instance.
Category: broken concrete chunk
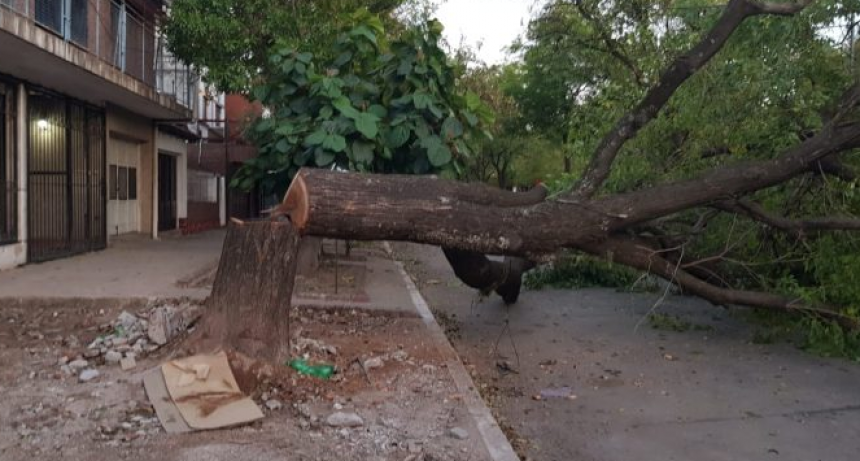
(126, 320)
(88, 375)
(79, 364)
(273, 405)
(127, 363)
(113, 357)
(341, 419)
(159, 326)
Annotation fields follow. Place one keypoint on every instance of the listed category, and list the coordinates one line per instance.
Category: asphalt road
(637, 393)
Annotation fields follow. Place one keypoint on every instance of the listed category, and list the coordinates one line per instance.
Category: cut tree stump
(248, 311)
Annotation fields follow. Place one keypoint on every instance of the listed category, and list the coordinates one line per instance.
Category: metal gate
(66, 180)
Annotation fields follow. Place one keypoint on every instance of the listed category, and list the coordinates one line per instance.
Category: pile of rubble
(131, 337)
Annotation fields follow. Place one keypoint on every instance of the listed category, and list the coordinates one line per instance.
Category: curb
(494, 439)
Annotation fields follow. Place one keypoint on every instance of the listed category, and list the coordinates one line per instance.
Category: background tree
(231, 39)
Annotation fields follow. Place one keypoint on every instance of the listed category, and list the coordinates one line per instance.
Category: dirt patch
(388, 377)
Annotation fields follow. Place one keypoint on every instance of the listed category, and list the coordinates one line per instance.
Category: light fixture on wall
(42, 124)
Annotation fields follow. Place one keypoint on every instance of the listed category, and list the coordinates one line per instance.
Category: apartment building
(89, 101)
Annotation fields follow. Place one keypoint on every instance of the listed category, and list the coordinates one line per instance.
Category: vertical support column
(222, 201)
(155, 172)
(22, 141)
(182, 186)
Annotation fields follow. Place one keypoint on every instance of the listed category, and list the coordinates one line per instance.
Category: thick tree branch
(833, 167)
(681, 69)
(633, 254)
(727, 181)
(797, 227)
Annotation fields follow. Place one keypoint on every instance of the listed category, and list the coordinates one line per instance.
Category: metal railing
(175, 78)
(118, 34)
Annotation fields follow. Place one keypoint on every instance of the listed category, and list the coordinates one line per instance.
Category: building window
(67, 18)
(8, 185)
(202, 187)
(123, 183)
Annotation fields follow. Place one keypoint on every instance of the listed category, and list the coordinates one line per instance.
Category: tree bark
(248, 311)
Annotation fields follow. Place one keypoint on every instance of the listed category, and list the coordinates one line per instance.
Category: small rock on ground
(375, 362)
(341, 419)
(88, 375)
(458, 433)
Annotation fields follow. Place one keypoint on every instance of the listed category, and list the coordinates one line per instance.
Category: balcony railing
(118, 34)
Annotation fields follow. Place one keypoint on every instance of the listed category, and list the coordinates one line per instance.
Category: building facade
(86, 153)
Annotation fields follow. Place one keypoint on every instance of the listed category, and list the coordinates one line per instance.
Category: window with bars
(202, 187)
(8, 184)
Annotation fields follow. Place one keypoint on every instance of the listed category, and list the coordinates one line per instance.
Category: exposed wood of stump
(248, 310)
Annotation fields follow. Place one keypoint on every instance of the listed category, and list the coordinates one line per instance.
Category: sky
(492, 24)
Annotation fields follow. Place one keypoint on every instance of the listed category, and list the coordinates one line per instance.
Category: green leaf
(305, 57)
(452, 128)
(471, 118)
(326, 112)
(285, 129)
(343, 105)
(437, 152)
(362, 152)
(323, 157)
(367, 125)
(435, 110)
(473, 101)
(404, 68)
(365, 32)
(422, 99)
(334, 142)
(397, 137)
(316, 138)
(264, 125)
(378, 111)
(283, 146)
(344, 58)
(260, 93)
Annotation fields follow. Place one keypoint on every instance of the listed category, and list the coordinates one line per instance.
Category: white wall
(16, 254)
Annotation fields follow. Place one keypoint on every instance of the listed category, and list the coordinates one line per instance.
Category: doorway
(66, 178)
(166, 192)
(123, 204)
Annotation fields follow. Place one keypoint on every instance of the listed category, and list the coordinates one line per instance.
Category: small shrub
(580, 271)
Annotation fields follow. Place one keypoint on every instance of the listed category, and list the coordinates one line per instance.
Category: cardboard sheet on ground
(168, 413)
(206, 394)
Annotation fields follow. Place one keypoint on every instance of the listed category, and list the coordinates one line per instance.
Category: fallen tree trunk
(468, 223)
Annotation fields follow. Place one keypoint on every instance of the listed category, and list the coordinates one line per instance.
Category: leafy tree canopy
(374, 105)
(586, 63)
(231, 39)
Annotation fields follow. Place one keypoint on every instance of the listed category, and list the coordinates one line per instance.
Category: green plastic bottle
(303, 368)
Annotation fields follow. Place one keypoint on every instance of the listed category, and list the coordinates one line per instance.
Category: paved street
(705, 394)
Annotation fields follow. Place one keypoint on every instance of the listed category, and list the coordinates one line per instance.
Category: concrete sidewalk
(132, 267)
(642, 394)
